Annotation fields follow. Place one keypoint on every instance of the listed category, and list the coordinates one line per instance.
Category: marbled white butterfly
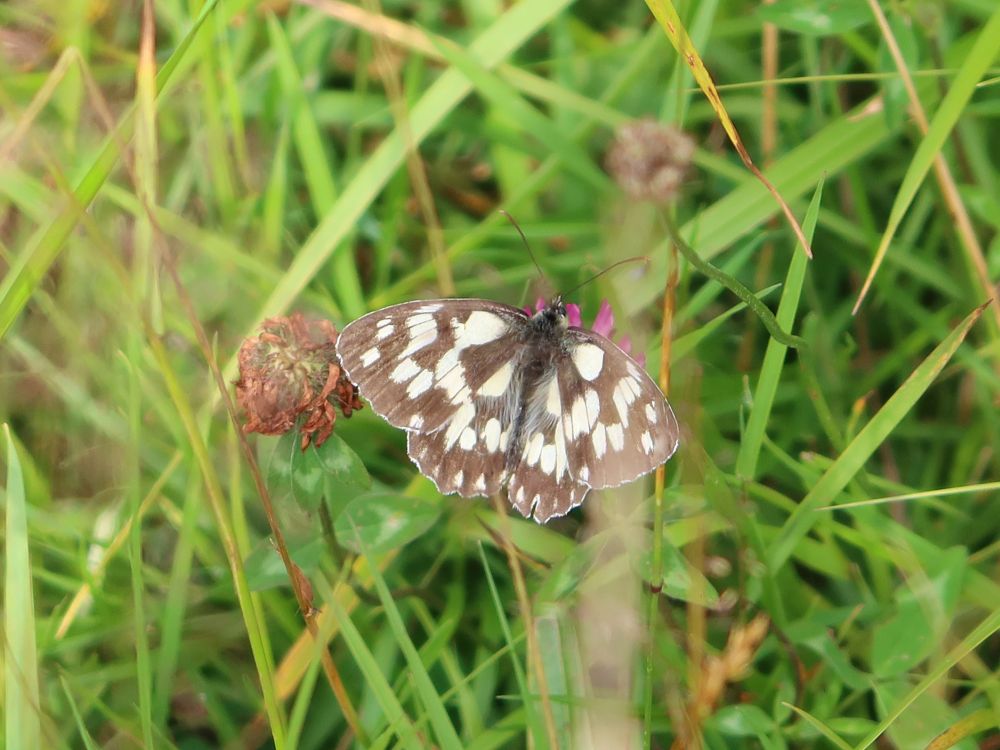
(490, 395)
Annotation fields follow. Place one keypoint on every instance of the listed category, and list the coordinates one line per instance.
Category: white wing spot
(621, 402)
(632, 388)
(497, 383)
(651, 413)
(583, 473)
(468, 439)
(416, 421)
(384, 332)
(616, 435)
(420, 336)
(420, 384)
(430, 308)
(480, 327)
(384, 322)
(578, 418)
(462, 417)
(453, 383)
(647, 442)
(533, 448)
(589, 359)
(503, 439)
(633, 369)
(599, 438)
(593, 407)
(404, 371)
(457, 479)
(520, 494)
(561, 460)
(548, 459)
(415, 320)
(370, 356)
(491, 434)
(552, 404)
(481, 483)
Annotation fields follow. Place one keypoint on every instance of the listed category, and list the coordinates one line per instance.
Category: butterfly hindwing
(616, 421)
(419, 363)
(467, 454)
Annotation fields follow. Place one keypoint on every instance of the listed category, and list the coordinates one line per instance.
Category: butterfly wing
(420, 364)
(616, 422)
(467, 454)
(595, 420)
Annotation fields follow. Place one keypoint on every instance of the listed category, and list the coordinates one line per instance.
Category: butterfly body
(491, 396)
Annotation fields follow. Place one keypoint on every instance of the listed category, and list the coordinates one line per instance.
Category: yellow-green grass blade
(774, 357)
(960, 90)
(22, 706)
(315, 164)
(423, 685)
(42, 250)
(866, 443)
(841, 143)
(509, 31)
(979, 634)
(373, 675)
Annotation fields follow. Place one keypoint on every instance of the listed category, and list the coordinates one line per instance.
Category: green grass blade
(866, 443)
(315, 164)
(505, 35)
(843, 142)
(374, 678)
(34, 261)
(22, 706)
(820, 727)
(984, 630)
(774, 357)
(505, 97)
(443, 728)
(952, 107)
(534, 722)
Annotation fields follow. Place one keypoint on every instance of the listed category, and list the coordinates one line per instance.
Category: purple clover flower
(604, 324)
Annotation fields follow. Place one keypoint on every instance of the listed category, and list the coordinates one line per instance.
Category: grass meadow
(816, 567)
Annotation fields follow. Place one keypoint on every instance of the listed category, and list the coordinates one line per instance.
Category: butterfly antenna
(599, 274)
(524, 239)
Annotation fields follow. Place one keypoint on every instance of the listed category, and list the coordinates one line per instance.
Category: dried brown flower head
(649, 160)
(290, 370)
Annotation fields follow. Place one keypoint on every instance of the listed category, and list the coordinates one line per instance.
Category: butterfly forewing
(419, 363)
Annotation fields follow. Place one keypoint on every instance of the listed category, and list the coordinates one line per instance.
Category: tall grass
(172, 174)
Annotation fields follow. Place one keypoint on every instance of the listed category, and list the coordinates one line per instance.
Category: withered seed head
(290, 370)
(649, 160)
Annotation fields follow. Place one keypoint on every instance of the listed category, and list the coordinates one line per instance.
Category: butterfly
(491, 395)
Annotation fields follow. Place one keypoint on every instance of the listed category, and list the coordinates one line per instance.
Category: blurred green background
(171, 174)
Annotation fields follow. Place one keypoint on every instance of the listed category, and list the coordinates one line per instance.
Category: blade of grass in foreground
(315, 164)
(534, 723)
(31, 265)
(986, 628)
(505, 35)
(774, 357)
(21, 704)
(443, 728)
(368, 666)
(866, 443)
(668, 18)
(960, 90)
